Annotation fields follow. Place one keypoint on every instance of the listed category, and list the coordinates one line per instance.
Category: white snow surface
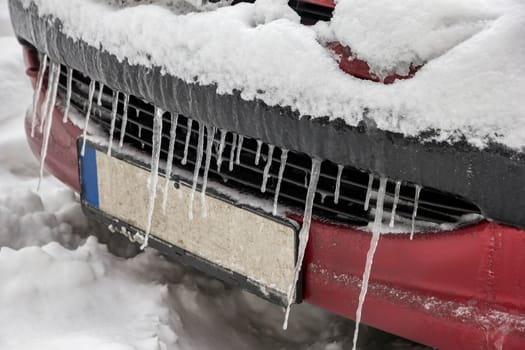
(471, 85)
(62, 289)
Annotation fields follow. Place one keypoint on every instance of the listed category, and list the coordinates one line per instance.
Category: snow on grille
(242, 163)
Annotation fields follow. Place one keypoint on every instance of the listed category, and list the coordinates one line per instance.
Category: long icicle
(210, 131)
(68, 93)
(54, 77)
(124, 121)
(284, 158)
(169, 161)
(187, 143)
(154, 171)
(36, 96)
(369, 190)
(394, 205)
(232, 151)
(114, 109)
(239, 150)
(88, 114)
(222, 143)
(266, 172)
(414, 213)
(338, 183)
(304, 234)
(198, 163)
(376, 234)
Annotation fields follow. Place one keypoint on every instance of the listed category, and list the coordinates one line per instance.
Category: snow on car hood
(470, 87)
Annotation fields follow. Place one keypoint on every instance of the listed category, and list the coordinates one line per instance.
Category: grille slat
(434, 206)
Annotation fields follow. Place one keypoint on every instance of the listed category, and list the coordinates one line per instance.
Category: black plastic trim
(492, 178)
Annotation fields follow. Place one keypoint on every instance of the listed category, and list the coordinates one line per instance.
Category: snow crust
(471, 85)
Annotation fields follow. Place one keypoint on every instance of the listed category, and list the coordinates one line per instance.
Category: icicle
(154, 171)
(232, 151)
(303, 234)
(221, 149)
(414, 213)
(239, 150)
(394, 205)
(266, 172)
(100, 92)
(54, 78)
(124, 120)
(376, 234)
(114, 109)
(68, 93)
(284, 158)
(36, 96)
(187, 144)
(338, 183)
(47, 98)
(140, 131)
(169, 161)
(198, 163)
(210, 131)
(369, 190)
(88, 114)
(258, 154)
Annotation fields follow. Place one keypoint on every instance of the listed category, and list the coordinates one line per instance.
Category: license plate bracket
(257, 253)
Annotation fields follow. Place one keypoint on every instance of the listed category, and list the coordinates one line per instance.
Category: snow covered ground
(62, 289)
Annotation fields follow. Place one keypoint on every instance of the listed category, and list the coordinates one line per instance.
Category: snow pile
(54, 298)
(471, 86)
(393, 36)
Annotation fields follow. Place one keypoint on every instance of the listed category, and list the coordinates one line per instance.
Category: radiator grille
(246, 177)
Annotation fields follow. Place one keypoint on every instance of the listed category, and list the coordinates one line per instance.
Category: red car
(459, 284)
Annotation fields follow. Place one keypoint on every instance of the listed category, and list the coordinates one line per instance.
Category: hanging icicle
(100, 92)
(124, 120)
(376, 234)
(36, 96)
(394, 205)
(222, 143)
(303, 235)
(284, 158)
(154, 171)
(91, 94)
(210, 131)
(169, 161)
(54, 78)
(338, 183)
(232, 151)
(369, 191)
(414, 213)
(114, 109)
(266, 173)
(68, 93)
(239, 150)
(187, 143)
(47, 98)
(258, 154)
(198, 163)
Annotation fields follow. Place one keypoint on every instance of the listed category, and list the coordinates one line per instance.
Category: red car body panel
(463, 289)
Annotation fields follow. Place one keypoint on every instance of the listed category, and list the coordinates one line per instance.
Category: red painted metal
(360, 69)
(463, 289)
(324, 3)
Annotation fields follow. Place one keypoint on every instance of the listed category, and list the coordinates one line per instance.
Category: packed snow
(470, 86)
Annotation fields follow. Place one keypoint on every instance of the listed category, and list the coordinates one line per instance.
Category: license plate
(240, 241)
